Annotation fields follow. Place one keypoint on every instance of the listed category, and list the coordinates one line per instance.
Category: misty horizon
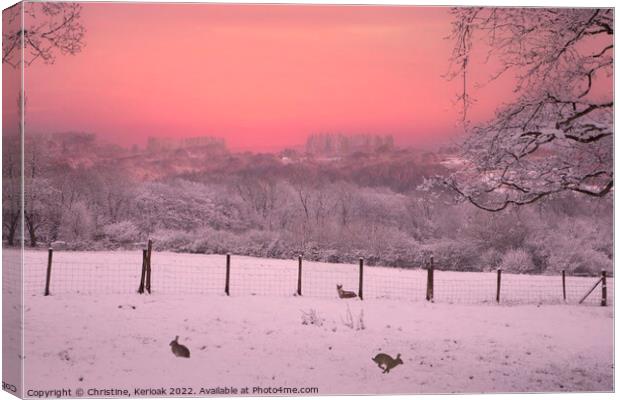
(299, 146)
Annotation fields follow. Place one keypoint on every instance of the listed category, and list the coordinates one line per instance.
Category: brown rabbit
(386, 363)
(344, 294)
(178, 349)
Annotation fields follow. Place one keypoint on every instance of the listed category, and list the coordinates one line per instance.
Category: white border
(523, 3)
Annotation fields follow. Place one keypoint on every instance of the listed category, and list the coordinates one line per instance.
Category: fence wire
(187, 275)
(11, 271)
(464, 287)
(171, 273)
(320, 280)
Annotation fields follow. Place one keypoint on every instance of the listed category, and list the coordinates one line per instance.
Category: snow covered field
(106, 336)
(103, 342)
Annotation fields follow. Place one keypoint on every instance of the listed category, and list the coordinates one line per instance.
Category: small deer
(344, 294)
(386, 363)
(178, 349)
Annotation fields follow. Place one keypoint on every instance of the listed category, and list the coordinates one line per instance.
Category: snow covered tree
(11, 188)
(556, 135)
(49, 28)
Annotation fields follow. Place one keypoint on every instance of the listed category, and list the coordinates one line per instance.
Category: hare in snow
(344, 294)
(386, 363)
(178, 349)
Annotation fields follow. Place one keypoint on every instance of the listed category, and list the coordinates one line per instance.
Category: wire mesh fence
(172, 273)
(462, 287)
(397, 284)
(189, 274)
(320, 280)
(11, 271)
(82, 272)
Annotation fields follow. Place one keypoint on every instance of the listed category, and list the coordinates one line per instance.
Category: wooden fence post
(499, 284)
(48, 277)
(227, 286)
(361, 285)
(604, 288)
(142, 275)
(430, 281)
(564, 285)
(299, 277)
(148, 266)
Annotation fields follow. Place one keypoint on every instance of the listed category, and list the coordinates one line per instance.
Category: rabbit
(386, 363)
(178, 349)
(344, 294)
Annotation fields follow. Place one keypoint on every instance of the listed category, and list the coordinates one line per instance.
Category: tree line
(272, 209)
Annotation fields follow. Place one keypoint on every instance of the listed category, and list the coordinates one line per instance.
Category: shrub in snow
(212, 241)
(311, 317)
(490, 260)
(361, 325)
(124, 232)
(59, 245)
(354, 323)
(452, 255)
(169, 239)
(517, 260)
(332, 256)
(573, 244)
(588, 261)
(264, 243)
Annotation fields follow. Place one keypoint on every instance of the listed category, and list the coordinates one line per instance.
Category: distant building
(339, 144)
(155, 144)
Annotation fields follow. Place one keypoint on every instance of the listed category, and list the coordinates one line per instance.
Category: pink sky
(262, 77)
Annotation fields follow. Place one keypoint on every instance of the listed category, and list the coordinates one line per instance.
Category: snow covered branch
(557, 133)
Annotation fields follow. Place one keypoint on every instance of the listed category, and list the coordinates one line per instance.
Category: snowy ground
(94, 331)
(101, 342)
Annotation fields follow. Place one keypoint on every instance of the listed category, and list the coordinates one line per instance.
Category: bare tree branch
(49, 28)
